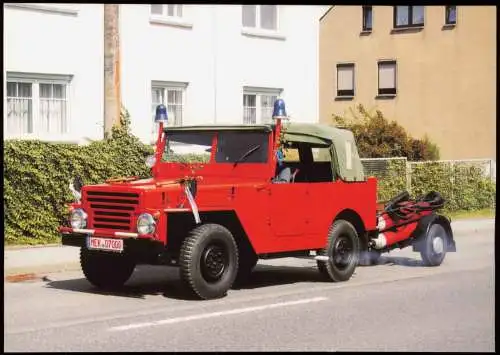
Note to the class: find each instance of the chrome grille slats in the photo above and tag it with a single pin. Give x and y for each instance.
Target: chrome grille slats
(112, 210)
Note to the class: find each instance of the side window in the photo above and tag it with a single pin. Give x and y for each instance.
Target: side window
(291, 155)
(321, 155)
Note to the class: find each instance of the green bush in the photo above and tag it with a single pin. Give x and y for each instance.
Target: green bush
(37, 175)
(376, 137)
(462, 185)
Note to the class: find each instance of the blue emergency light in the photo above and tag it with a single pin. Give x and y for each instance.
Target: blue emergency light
(161, 114)
(279, 111)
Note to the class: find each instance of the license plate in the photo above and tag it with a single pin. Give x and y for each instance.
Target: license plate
(110, 244)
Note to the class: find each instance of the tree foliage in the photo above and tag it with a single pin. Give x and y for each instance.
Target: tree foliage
(376, 137)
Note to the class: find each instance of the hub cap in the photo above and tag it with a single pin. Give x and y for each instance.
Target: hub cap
(438, 245)
(213, 262)
(342, 252)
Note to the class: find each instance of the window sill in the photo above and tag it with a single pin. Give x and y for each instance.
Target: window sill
(385, 97)
(52, 138)
(407, 29)
(448, 26)
(344, 98)
(251, 32)
(170, 22)
(365, 32)
(52, 9)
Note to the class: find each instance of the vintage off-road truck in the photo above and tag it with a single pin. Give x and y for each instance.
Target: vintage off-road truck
(261, 191)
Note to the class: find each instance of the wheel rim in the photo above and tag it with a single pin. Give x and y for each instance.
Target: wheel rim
(438, 245)
(343, 252)
(214, 262)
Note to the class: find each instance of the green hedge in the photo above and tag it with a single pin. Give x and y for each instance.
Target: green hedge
(37, 176)
(463, 185)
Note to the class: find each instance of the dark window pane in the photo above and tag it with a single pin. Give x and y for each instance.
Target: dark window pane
(418, 15)
(12, 89)
(46, 90)
(232, 145)
(24, 89)
(367, 17)
(249, 13)
(451, 14)
(402, 14)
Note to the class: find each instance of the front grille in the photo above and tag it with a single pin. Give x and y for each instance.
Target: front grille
(112, 210)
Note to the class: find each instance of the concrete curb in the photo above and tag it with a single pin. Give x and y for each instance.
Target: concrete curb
(43, 259)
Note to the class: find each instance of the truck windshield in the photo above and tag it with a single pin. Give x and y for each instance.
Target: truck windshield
(232, 147)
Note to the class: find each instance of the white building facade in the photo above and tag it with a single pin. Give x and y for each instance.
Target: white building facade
(210, 64)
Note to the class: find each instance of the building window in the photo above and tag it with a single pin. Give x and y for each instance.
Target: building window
(345, 79)
(387, 77)
(258, 106)
(172, 95)
(169, 10)
(367, 18)
(37, 106)
(260, 16)
(408, 16)
(451, 15)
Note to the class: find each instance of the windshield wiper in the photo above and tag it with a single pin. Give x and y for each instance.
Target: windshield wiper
(246, 155)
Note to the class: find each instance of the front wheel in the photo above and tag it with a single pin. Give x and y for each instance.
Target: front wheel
(106, 270)
(342, 250)
(434, 245)
(209, 261)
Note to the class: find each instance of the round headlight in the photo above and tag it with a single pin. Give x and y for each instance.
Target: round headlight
(145, 224)
(78, 219)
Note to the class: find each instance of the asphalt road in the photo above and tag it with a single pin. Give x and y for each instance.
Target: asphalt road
(398, 305)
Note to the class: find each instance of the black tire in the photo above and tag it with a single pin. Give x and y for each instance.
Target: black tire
(106, 270)
(342, 250)
(209, 261)
(434, 245)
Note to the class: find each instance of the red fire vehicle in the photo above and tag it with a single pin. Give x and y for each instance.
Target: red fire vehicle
(257, 191)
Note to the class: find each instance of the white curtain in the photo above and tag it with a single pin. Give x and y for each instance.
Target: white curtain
(387, 75)
(249, 109)
(248, 14)
(19, 108)
(345, 80)
(52, 108)
(268, 17)
(266, 107)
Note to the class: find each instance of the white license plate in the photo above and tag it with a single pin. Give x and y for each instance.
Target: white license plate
(110, 244)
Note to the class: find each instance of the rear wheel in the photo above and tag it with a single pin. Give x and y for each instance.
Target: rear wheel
(342, 251)
(209, 261)
(106, 270)
(434, 245)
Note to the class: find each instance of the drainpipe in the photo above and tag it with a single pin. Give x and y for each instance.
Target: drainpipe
(112, 104)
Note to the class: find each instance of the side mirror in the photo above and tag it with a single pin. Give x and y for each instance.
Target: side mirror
(76, 188)
(150, 161)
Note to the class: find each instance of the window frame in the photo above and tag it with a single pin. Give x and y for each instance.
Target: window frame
(259, 92)
(35, 79)
(346, 93)
(364, 27)
(165, 86)
(385, 91)
(410, 17)
(258, 24)
(447, 15)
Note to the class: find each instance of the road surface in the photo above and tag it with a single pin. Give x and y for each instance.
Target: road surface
(398, 305)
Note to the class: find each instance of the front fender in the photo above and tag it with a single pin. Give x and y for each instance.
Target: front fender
(423, 228)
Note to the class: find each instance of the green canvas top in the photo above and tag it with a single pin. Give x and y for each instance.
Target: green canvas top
(341, 141)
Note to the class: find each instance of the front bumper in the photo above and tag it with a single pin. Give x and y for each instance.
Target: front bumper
(69, 230)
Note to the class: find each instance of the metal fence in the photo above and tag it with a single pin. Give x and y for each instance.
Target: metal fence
(379, 167)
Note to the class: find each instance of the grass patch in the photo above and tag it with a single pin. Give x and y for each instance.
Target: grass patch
(483, 213)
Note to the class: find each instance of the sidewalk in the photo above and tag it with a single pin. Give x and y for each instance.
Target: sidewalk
(46, 259)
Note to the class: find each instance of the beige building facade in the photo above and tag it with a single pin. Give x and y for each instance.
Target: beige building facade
(432, 69)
